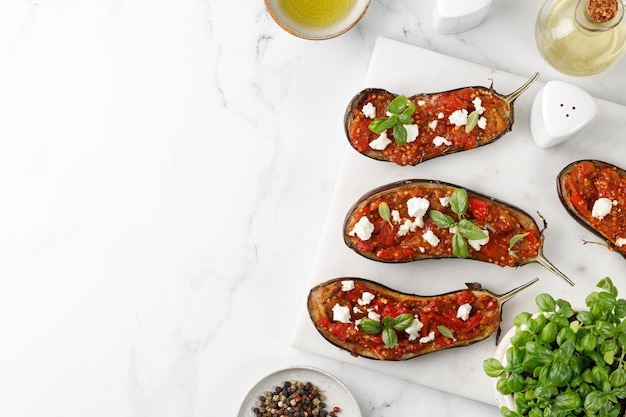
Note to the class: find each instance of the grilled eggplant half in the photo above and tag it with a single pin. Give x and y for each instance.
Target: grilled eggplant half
(407, 131)
(373, 321)
(594, 193)
(420, 219)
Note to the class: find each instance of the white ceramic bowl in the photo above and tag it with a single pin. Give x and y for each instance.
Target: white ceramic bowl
(500, 354)
(295, 28)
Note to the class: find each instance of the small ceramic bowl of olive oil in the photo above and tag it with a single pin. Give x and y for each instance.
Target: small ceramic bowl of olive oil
(317, 19)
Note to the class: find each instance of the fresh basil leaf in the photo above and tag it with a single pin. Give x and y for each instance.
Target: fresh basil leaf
(410, 109)
(594, 401)
(459, 201)
(549, 332)
(515, 382)
(380, 125)
(405, 119)
(599, 375)
(506, 412)
(502, 387)
(617, 378)
(516, 239)
(607, 285)
(440, 219)
(514, 356)
(585, 317)
(445, 331)
(545, 302)
(565, 334)
(384, 212)
(459, 246)
(388, 322)
(493, 367)
(472, 121)
(568, 401)
(399, 134)
(522, 318)
(520, 338)
(471, 231)
(390, 338)
(371, 326)
(559, 373)
(604, 329)
(398, 105)
(403, 321)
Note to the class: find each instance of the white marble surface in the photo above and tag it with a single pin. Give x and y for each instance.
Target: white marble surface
(165, 171)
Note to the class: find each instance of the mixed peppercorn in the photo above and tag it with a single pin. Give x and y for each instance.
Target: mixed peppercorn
(293, 399)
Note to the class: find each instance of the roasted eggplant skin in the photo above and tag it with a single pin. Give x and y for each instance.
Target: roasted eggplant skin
(532, 244)
(575, 171)
(433, 312)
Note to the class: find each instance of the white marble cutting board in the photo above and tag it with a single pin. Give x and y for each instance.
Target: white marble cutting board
(512, 169)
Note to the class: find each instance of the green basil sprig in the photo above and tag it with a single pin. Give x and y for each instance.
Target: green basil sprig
(400, 113)
(514, 240)
(465, 229)
(566, 363)
(388, 327)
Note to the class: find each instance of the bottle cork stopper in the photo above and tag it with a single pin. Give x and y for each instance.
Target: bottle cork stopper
(602, 11)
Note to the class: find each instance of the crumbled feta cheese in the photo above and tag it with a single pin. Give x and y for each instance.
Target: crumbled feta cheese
(621, 241)
(369, 111)
(463, 311)
(524, 326)
(602, 207)
(347, 285)
(363, 229)
(440, 140)
(381, 142)
(417, 207)
(414, 329)
(423, 250)
(412, 132)
(458, 117)
(476, 244)
(478, 105)
(356, 309)
(429, 338)
(371, 314)
(357, 323)
(482, 122)
(431, 238)
(445, 201)
(395, 216)
(421, 102)
(341, 313)
(433, 124)
(405, 228)
(440, 115)
(366, 298)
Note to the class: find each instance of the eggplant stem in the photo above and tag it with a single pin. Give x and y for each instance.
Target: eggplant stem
(509, 99)
(540, 259)
(503, 298)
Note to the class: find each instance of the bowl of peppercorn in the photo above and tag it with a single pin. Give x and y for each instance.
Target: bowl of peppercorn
(299, 391)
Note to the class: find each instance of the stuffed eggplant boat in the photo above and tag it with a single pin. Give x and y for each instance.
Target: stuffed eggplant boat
(413, 220)
(594, 193)
(371, 320)
(407, 131)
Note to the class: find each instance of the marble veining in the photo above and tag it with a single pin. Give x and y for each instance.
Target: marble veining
(165, 171)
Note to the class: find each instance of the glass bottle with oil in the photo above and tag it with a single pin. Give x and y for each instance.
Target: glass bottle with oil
(581, 37)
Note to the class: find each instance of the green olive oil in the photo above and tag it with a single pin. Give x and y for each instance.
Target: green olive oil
(316, 14)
